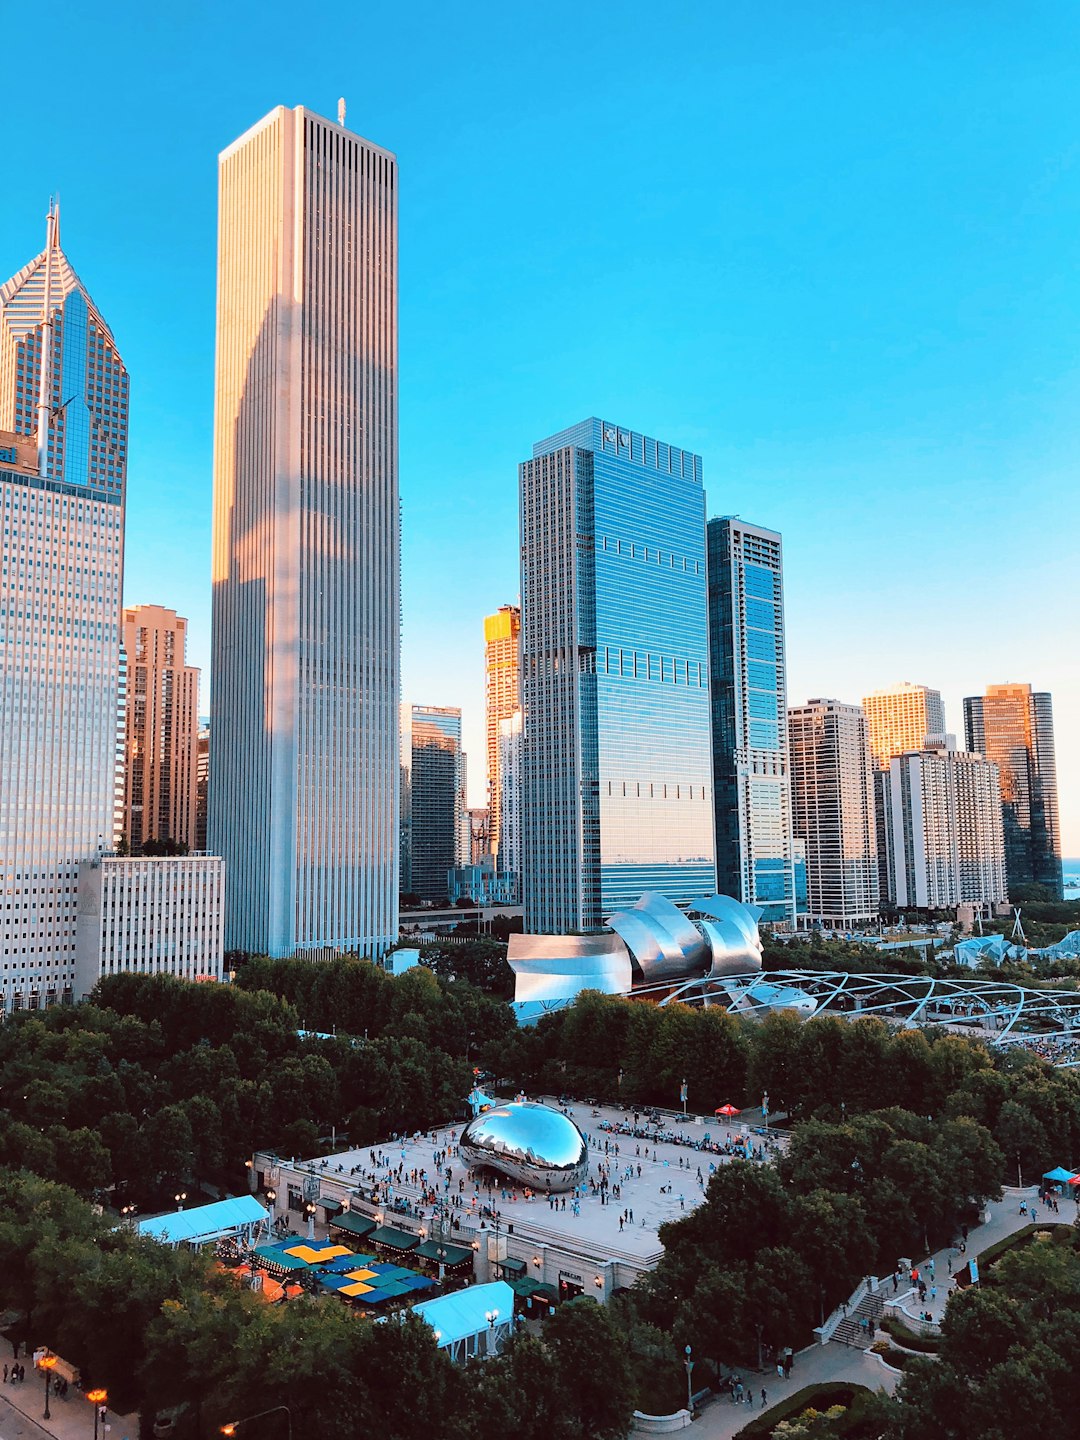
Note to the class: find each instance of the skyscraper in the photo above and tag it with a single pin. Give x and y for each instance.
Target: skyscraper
(162, 730)
(511, 787)
(436, 815)
(833, 806)
(1014, 727)
(63, 471)
(502, 697)
(615, 676)
(943, 830)
(748, 679)
(901, 718)
(304, 786)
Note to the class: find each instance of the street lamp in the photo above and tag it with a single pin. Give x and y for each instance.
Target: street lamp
(688, 1362)
(99, 1399)
(309, 1211)
(47, 1363)
(234, 1425)
(765, 1112)
(180, 1197)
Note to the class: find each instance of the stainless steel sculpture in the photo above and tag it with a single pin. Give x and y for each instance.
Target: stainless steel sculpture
(531, 1143)
(662, 941)
(731, 930)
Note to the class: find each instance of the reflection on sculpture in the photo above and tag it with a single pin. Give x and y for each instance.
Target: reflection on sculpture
(531, 1143)
(653, 943)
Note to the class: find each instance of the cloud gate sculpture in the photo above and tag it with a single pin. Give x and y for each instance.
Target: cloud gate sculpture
(530, 1143)
(651, 944)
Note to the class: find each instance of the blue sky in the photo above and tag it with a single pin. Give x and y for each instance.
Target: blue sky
(835, 248)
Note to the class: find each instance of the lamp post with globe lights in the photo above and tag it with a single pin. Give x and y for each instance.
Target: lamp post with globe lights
(689, 1363)
(48, 1364)
(99, 1399)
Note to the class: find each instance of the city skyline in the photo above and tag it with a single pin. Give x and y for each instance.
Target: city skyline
(898, 363)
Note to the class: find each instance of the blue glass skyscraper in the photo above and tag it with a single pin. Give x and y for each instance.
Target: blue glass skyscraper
(748, 679)
(615, 676)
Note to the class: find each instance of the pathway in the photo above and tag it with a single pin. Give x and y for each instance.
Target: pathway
(720, 1419)
(22, 1410)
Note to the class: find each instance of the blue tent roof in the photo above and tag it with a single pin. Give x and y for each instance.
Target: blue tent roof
(1059, 1174)
(205, 1222)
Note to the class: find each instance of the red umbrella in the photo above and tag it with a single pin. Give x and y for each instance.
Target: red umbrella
(726, 1110)
(1075, 1180)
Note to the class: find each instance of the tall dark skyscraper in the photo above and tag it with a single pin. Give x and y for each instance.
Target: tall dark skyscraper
(615, 676)
(432, 808)
(747, 674)
(1014, 727)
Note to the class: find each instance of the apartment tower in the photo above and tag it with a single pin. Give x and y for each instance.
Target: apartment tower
(833, 806)
(303, 801)
(903, 717)
(437, 816)
(748, 679)
(615, 676)
(502, 698)
(161, 772)
(63, 474)
(1014, 726)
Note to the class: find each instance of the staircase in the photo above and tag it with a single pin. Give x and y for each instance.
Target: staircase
(852, 1328)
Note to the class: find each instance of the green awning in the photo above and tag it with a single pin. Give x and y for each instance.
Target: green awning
(526, 1286)
(393, 1239)
(510, 1266)
(451, 1254)
(354, 1224)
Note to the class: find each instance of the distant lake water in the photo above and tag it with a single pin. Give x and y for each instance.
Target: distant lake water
(1070, 869)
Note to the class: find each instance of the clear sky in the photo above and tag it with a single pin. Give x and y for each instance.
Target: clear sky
(833, 247)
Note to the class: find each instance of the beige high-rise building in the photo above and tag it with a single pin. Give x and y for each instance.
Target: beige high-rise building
(162, 730)
(304, 786)
(502, 692)
(902, 718)
(832, 794)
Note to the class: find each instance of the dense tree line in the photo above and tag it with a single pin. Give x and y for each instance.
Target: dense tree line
(827, 1067)
(158, 1082)
(164, 1330)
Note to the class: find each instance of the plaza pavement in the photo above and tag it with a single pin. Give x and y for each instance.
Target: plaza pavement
(667, 1187)
(22, 1408)
(720, 1419)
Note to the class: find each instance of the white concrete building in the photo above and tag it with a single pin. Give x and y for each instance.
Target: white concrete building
(150, 916)
(63, 470)
(945, 841)
(833, 806)
(511, 790)
(303, 797)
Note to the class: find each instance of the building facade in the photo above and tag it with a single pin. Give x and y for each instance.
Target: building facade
(202, 786)
(748, 683)
(436, 787)
(945, 843)
(833, 807)
(1014, 726)
(901, 718)
(63, 473)
(615, 676)
(502, 698)
(150, 916)
(511, 797)
(161, 731)
(303, 802)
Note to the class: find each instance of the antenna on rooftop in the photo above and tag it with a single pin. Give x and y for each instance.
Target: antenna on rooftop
(341, 111)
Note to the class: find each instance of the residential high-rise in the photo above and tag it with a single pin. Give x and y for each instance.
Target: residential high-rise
(63, 471)
(436, 814)
(748, 680)
(615, 677)
(832, 794)
(1014, 727)
(304, 786)
(901, 718)
(502, 697)
(479, 836)
(162, 730)
(945, 845)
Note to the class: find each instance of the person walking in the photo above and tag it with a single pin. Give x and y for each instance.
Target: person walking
(764, 1398)
(780, 1370)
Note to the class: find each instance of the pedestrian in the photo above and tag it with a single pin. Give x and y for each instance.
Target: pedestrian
(764, 1397)
(750, 1398)
(739, 1393)
(789, 1360)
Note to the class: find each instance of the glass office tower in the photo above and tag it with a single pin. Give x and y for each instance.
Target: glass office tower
(63, 472)
(1014, 727)
(434, 798)
(754, 858)
(615, 676)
